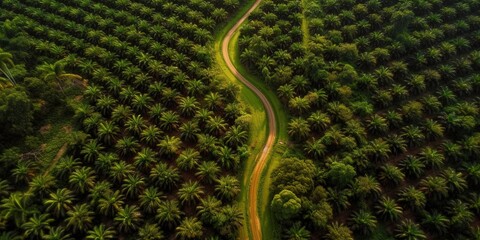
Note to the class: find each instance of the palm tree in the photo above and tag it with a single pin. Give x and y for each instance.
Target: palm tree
(391, 173)
(127, 93)
(417, 84)
(412, 166)
(285, 91)
(377, 124)
(363, 221)
(151, 135)
(339, 198)
(297, 232)
(379, 149)
(460, 214)
(120, 170)
(190, 228)
(413, 197)
(187, 106)
(432, 104)
(471, 146)
(165, 176)
(23, 171)
(474, 202)
(135, 124)
(101, 232)
(80, 217)
(473, 173)
(140, 102)
(169, 120)
(190, 192)
(337, 231)
(189, 131)
(132, 185)
(128, 218)
(229, 220)
(213, 100)
(83, 110)
(436, 222)
(169, 145)
(168, 213)
(56, 72)
(106, 104)
(150, 231)
(144, 159)
(452, 151)
(435, 187)
(236, 136)
(389, 209)
(315, 148)
(107, 132)
(155, 112)
(105, 161)
(455, 180)
(42, 184)
(114, 86)
(195, 87)
(188, 159)
(110, 203)
(98, 191)
(207, 171)
(37, 225)
(127, 146)
(91, 150)
(433, 129)
(227, 187)
(82, 179)
(432, 157)
(226, 157)
(168, 96)
(209, 208)
(397, 144)
(56, 233)
(6, 62)
(16, 206)
(409, 230)
(365, 186)
(60, 202)
(90, 123)
(202, 115)
(395, 119)
(384, 75)
(298, 128)
(216, 125)
(151, 199)
(207, 144)
(5, 188)
(413, 135)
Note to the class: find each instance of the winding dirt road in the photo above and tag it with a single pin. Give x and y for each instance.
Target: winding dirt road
(272, 134)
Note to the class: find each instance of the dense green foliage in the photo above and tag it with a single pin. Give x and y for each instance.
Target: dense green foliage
(382, 97)
(157, 144)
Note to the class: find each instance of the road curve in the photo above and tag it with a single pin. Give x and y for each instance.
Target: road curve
(272, 126)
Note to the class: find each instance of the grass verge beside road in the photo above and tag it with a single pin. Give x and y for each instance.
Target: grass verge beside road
(258, 131)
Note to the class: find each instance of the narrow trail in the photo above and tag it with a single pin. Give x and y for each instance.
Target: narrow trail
(261, 159)
(59, 155)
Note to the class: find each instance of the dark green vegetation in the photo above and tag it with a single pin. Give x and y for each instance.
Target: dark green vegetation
(157, 139)
(382, 98)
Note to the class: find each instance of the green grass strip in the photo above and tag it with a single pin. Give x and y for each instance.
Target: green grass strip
(258, 131)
